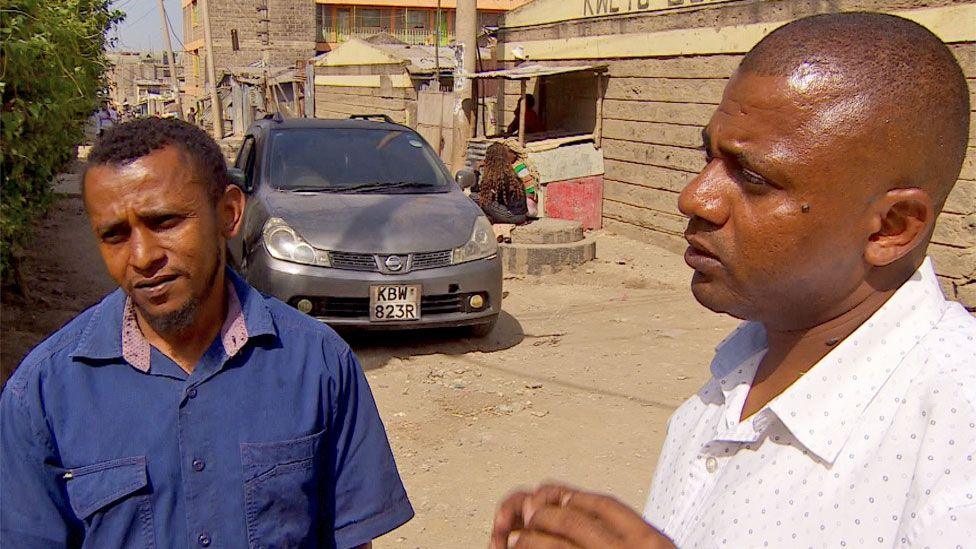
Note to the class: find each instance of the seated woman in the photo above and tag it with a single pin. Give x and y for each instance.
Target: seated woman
(500, 192)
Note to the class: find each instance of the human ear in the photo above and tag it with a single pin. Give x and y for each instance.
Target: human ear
(903, 222)
(231, 208)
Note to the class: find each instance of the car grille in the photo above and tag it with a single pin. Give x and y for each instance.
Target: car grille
(358, 307)
(367, 262)
(431, 260)
(352, 261)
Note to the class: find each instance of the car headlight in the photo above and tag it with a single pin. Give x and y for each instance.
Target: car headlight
(284, 243)
(482, 243)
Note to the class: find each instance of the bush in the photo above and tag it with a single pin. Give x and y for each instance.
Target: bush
(53, 70)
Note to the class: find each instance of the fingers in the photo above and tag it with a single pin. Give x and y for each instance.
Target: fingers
(508, 519)
(606, 508)
(541, 540)
(576, 527)
(545, 494)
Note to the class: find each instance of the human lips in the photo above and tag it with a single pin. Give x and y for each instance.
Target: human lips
(156, 286)
(699, 256)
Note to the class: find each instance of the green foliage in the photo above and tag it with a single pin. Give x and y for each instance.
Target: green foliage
(52, 69)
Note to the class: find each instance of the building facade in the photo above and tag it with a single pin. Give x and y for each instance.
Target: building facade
(139, 82)
(289, 31)
(245, 33)
(668, 63)
(415, 22)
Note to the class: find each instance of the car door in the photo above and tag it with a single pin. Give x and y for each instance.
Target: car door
(245, 162)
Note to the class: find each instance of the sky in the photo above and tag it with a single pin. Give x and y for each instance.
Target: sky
(142, 28)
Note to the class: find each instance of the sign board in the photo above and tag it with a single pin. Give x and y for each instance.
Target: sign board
(550, 11)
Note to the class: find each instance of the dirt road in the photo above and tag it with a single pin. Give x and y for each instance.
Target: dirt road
(575, 384)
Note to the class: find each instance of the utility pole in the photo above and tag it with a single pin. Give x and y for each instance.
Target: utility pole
(466, 28)
(265, 21)
(215, 108)
(172, 61)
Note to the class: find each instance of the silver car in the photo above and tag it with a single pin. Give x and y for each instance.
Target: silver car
(358, 223)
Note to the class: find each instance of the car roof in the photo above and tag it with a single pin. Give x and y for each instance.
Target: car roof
(329, 123)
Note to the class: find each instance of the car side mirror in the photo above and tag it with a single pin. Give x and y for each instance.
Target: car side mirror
(238, 177)
(466, 178)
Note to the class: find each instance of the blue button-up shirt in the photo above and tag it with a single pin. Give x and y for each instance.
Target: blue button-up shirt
(279, 445)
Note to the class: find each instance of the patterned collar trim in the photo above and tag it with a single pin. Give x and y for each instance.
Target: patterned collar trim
(136, 349)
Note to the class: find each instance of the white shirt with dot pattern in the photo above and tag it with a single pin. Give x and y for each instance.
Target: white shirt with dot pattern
(873, 447)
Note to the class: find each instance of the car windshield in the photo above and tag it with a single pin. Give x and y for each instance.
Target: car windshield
(355, 160)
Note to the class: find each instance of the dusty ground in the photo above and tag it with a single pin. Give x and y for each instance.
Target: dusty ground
(575, 384)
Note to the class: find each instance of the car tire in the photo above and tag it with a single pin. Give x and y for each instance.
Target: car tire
(482, 330)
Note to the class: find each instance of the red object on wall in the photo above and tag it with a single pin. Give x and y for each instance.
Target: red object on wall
(576, 199)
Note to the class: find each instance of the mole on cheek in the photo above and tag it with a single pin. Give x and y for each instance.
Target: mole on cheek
(805, 208)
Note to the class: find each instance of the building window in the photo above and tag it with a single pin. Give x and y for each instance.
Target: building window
(418, 19)
(235, 43)
(195, 15)
(323, 22)
(370, 18)
(196, 64)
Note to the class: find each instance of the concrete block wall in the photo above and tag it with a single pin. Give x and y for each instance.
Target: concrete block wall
(400, 104)
(291, 29)
(655, 107)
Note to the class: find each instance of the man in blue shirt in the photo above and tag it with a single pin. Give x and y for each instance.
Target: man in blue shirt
(186, 409)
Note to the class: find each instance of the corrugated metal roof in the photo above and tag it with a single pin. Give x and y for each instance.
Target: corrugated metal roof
(535, 70)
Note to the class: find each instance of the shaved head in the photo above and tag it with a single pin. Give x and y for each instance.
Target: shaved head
(891, 77)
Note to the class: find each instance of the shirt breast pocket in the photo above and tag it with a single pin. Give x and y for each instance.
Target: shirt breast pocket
(283, 491)
(113, 500)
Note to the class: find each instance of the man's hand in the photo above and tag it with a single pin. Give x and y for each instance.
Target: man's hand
(558, 517)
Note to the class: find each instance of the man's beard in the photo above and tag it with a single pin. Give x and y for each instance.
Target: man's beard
(182, 318)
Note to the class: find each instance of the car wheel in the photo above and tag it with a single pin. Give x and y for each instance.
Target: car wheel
(482, 330)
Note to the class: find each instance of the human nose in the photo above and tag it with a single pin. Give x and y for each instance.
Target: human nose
(705, 196)
(146, 256)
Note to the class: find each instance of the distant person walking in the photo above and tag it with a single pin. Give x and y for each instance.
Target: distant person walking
(105, 118)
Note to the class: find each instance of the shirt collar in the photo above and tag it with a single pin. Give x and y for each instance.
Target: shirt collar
(822, 407)
(112, 333)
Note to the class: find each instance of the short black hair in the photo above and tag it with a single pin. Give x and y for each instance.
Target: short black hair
(137, 138)
(530, 100)
(901, 73)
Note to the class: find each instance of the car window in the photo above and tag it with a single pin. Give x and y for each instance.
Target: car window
(244, 152)
(354, 160)
(248, 166)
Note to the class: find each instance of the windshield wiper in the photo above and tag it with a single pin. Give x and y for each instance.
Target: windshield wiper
(308, 189)
(367, 187)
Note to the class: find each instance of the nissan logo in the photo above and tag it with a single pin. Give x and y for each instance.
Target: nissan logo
(394, 263)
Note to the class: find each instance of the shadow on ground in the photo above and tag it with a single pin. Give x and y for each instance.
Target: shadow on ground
(376, 349)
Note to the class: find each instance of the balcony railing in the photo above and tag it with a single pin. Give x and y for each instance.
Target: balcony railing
(417, 37)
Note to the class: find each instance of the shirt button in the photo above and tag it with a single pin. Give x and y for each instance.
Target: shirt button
(203, 539)
(711, 465)
(191, 392)
(198, 464)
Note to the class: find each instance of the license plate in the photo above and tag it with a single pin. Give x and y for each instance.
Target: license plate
(394, 303)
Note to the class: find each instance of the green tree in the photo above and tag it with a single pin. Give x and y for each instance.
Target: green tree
(52, 70)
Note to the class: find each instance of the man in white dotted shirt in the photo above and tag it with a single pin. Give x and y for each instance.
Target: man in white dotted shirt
(842, 413)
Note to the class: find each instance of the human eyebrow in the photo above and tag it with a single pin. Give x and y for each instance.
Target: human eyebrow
(111, 228)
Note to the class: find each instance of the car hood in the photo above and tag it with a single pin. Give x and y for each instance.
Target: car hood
(378, 223)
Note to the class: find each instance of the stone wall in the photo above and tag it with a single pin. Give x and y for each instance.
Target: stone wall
(655, 107)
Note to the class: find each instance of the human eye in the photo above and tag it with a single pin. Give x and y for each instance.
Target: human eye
(165, 222)
(113, 236)
(753, 178)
